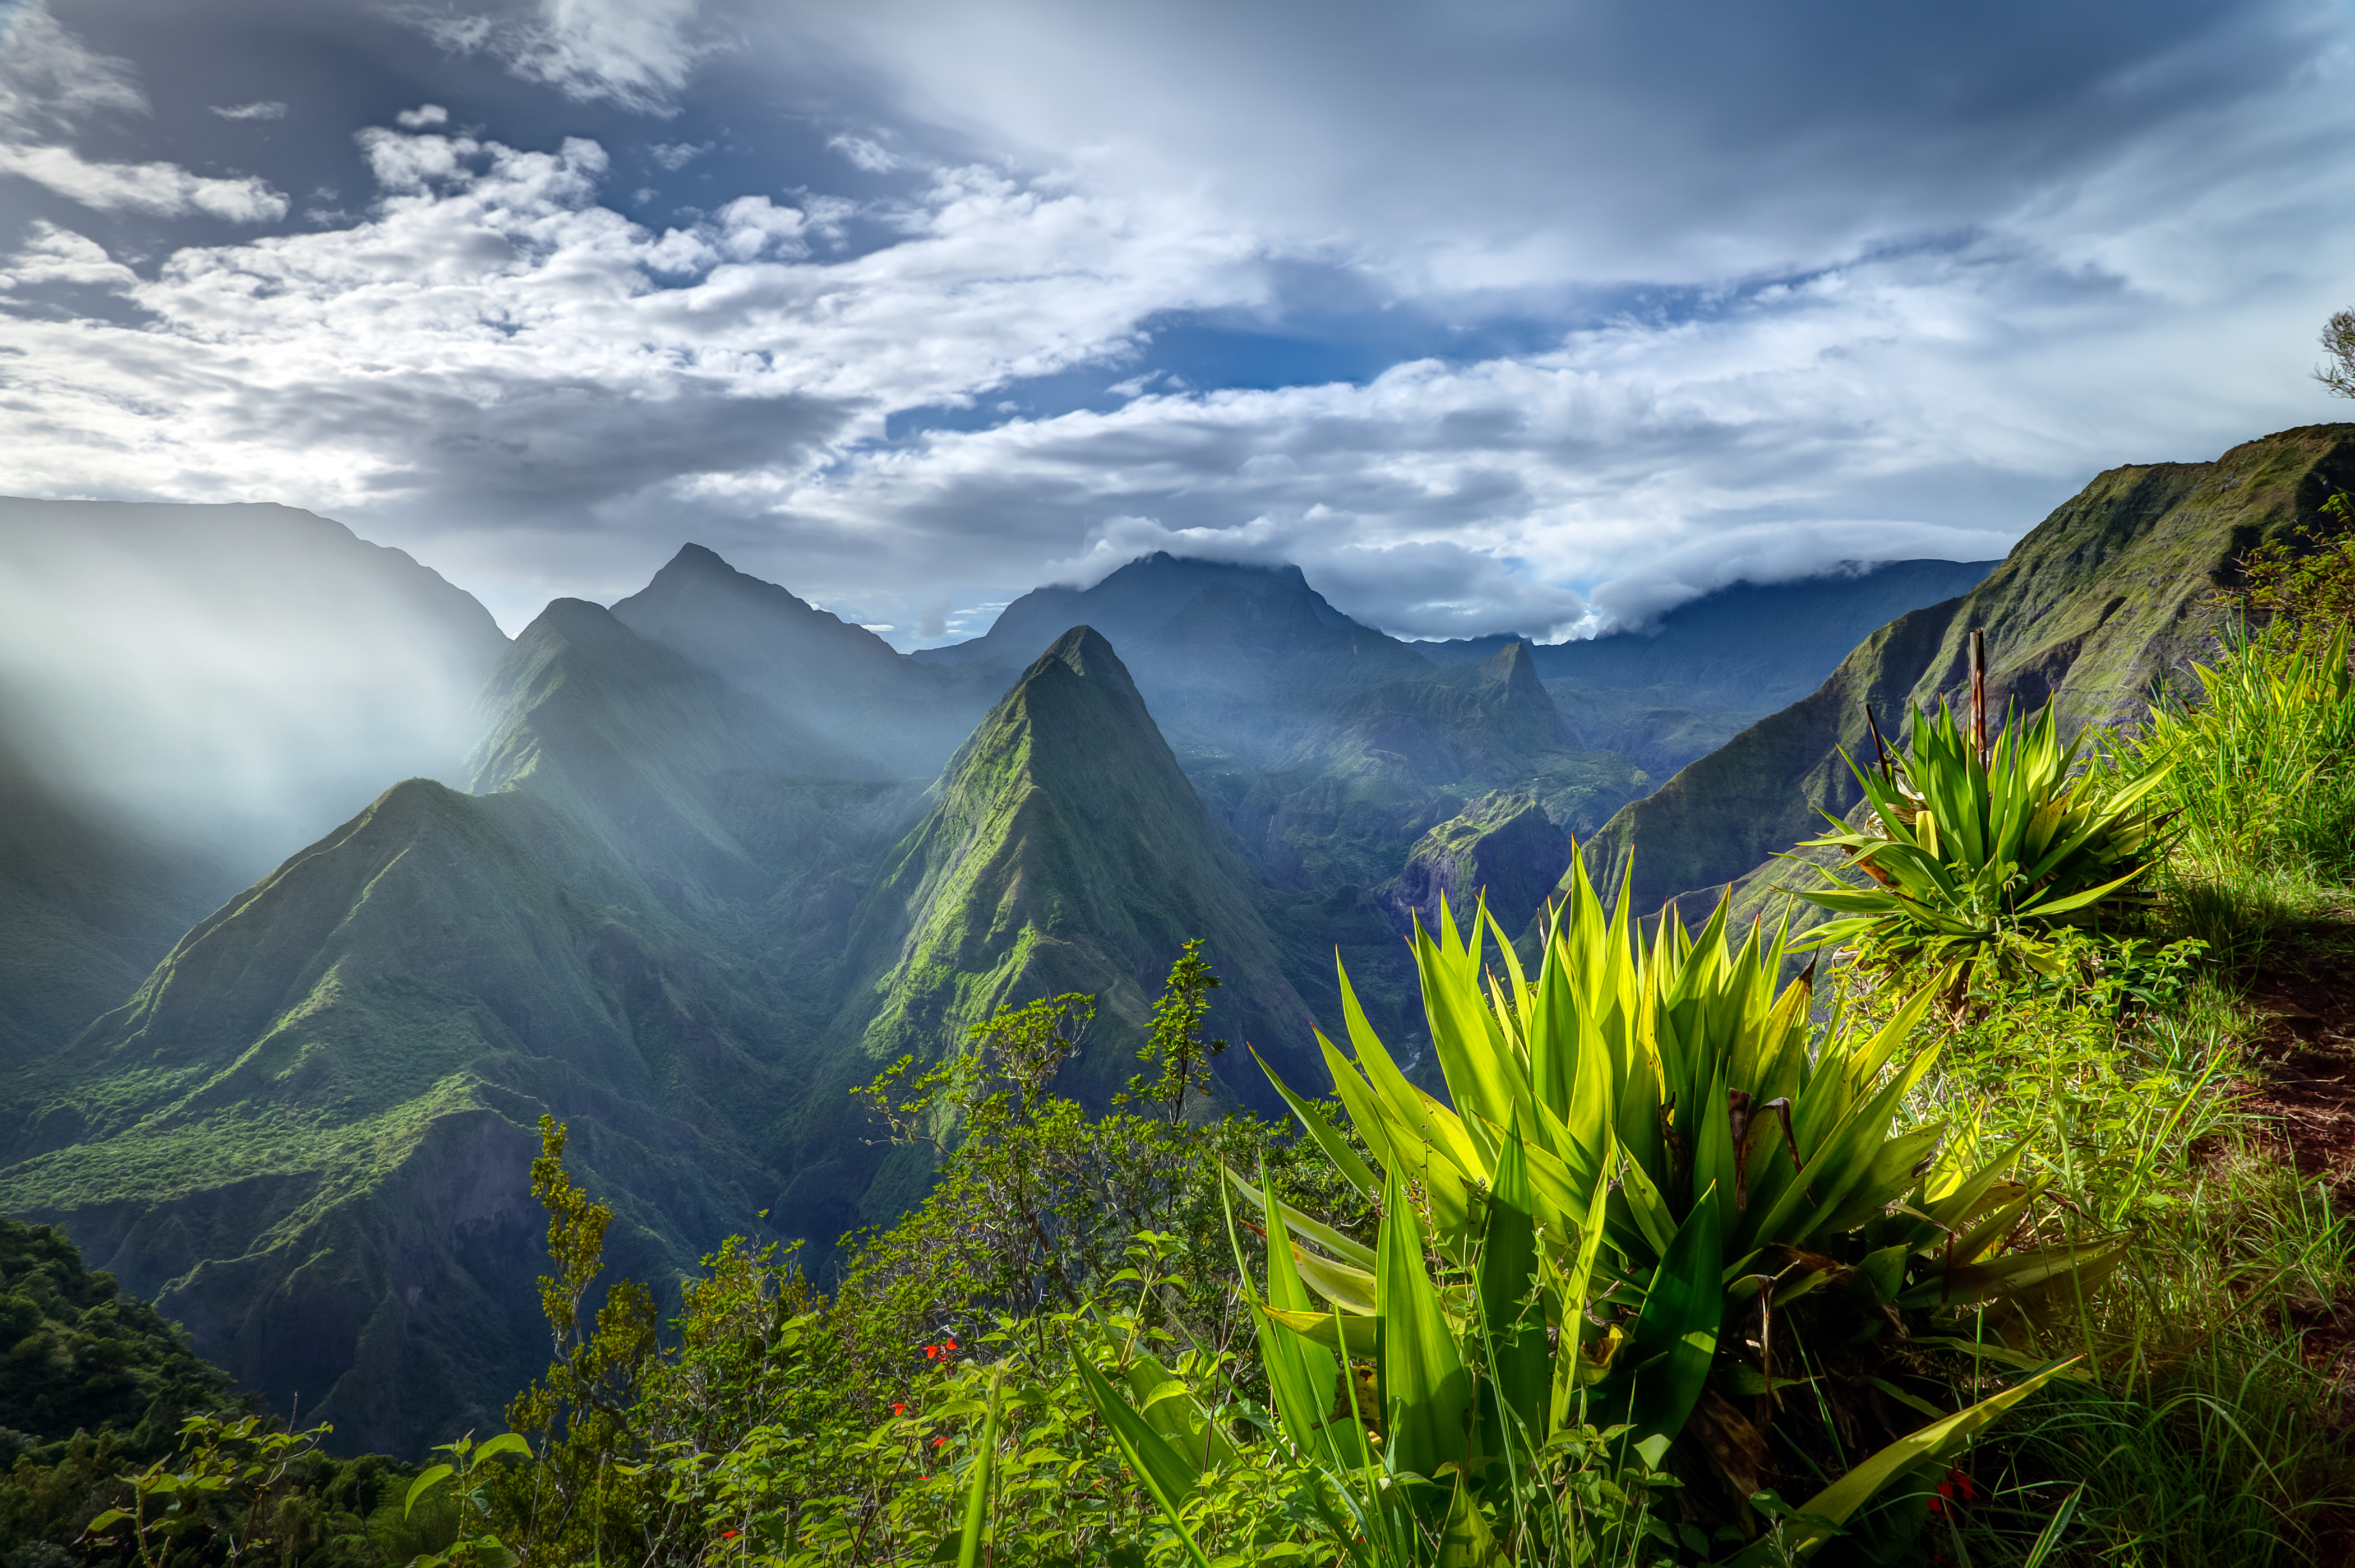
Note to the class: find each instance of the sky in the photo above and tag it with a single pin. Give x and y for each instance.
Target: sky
(1509, 318)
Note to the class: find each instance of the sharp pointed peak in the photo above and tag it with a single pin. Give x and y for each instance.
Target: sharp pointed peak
(1083, 648)
(1088, 654)
(692, 557)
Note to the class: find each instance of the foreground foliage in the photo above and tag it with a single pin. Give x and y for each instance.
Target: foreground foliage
(1653, 1196)
(1981, 854)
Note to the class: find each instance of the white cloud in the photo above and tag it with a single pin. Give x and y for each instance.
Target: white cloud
(865, 153)
(1545, 146)
(676, 155)
(635, 53)
(54, 255)
(51, 84)
(167, 190)
(1927, 404)
(493, 346)
(265, 109)
(1820, 314)
(424, 117)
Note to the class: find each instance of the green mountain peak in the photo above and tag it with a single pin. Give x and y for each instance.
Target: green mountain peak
(1066, 851)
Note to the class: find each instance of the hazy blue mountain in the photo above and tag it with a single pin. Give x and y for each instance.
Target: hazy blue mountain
(1235, 662)
(1666, 694)
(1758, 645)
(835, 681)
(88, 904)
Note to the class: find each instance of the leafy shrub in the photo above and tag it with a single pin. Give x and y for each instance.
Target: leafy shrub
(1650, 1199)
(2256, 763)
(1978, 857)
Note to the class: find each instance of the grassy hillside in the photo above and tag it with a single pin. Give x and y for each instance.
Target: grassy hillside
(2111, 593)
(1065, 851)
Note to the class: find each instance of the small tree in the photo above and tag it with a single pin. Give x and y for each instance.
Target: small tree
(2339, 343)
(1174, 1041)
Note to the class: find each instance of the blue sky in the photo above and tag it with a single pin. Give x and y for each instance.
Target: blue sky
(1515, 318)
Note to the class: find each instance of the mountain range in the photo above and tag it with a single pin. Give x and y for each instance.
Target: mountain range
(710, 858)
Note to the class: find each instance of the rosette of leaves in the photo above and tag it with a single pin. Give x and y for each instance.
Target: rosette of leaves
(1977, 854)
(1653, 1207)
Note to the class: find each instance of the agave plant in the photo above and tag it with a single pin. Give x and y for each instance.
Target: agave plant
(1653, 1209)
(1978, 853)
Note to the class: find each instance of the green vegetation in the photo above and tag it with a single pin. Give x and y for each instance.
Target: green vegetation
(110, 1424)
(1982, 852)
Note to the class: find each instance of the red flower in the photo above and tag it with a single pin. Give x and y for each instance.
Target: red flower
(1958, 1487)
(931, 1352)
(940, 1439)
(729, 1534)
(899, 1410)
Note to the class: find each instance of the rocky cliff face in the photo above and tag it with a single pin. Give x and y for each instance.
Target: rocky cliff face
(1502, 846)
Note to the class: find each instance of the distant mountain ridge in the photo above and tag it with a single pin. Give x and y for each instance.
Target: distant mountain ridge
(1761, 644)
(842, 685)
(1232, 660)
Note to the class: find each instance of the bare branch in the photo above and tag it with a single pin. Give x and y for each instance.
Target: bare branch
(2339, 343)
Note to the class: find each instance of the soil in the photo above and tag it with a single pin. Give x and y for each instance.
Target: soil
(2305, 999)
(2307, 1041)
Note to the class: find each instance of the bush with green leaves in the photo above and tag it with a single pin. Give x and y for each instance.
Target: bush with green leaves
(1657, 1204)
(2256, 761)
(1979, 855)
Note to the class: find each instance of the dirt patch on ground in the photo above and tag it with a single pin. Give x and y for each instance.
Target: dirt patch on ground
(2304, 1001)
(2306, 1005)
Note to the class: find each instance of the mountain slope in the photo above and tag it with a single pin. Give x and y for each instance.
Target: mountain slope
(308, 1135)
(1065, 851)
(2112, 591)
(819, 674)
